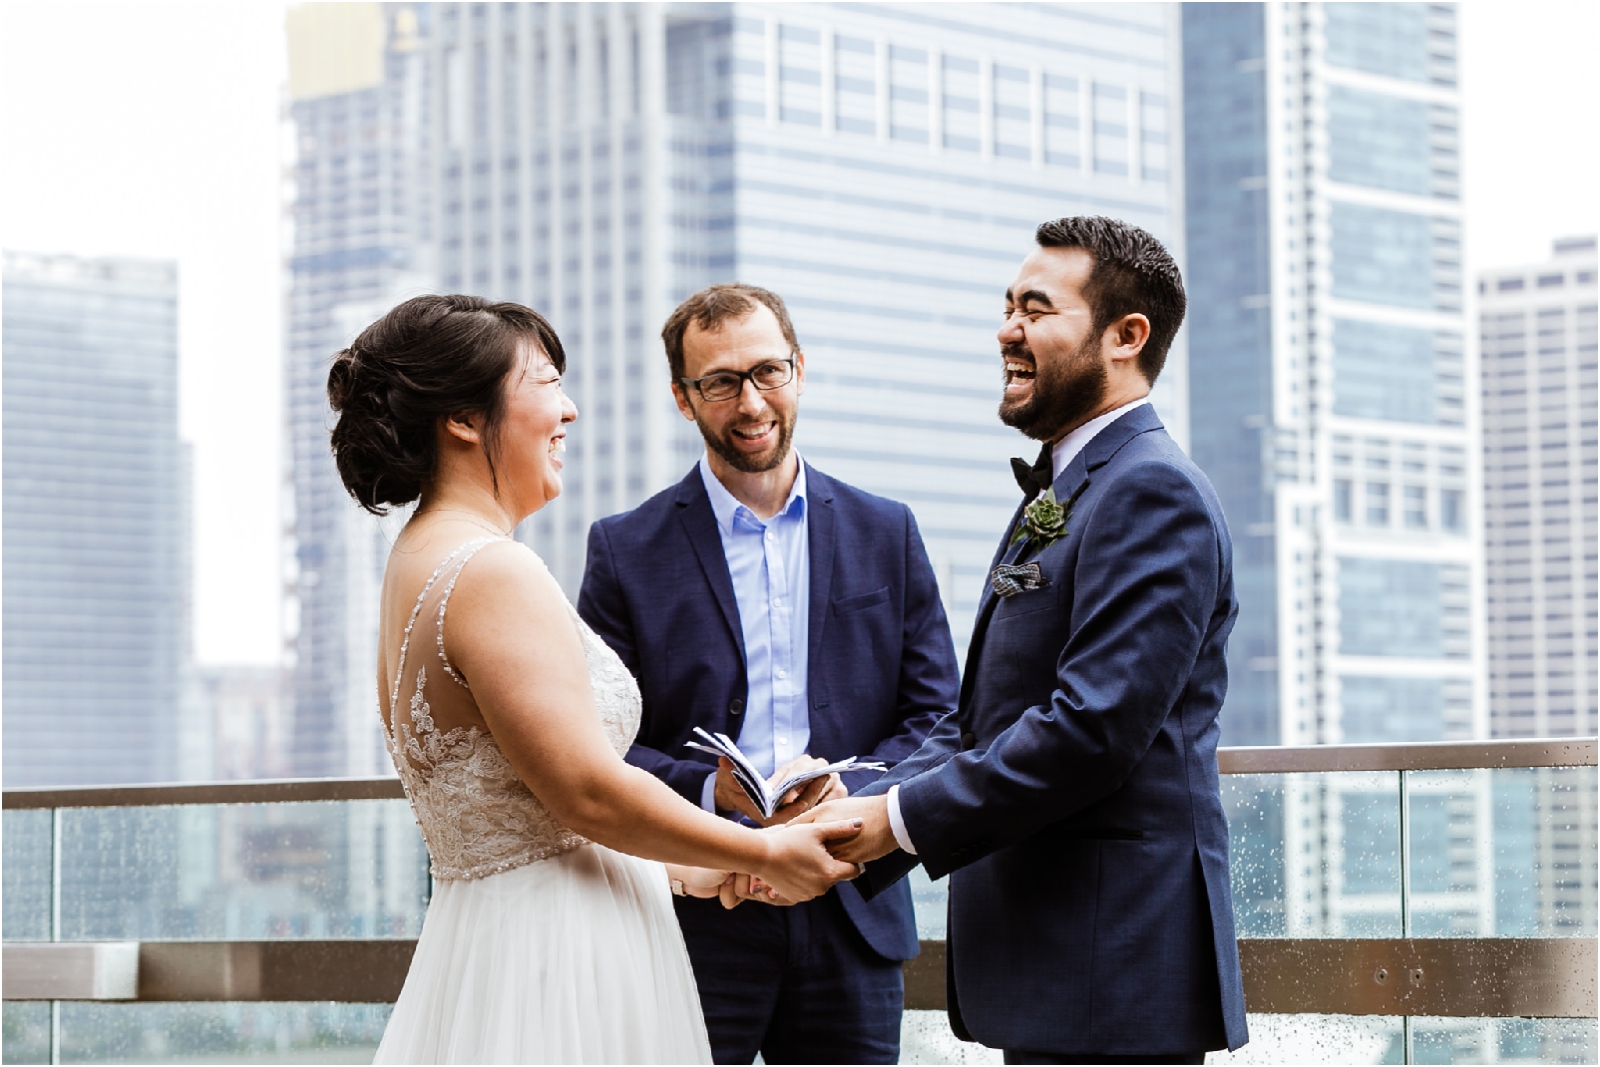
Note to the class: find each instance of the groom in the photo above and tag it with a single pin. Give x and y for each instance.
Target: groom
(1074, 791)
(763, 599)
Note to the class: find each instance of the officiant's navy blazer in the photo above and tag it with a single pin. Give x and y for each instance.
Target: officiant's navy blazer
(1074, 792)
(882, 667)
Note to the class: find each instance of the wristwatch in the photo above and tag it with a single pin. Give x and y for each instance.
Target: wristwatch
(677, 888)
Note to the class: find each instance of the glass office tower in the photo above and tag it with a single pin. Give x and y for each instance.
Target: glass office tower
(1538, 342)
(1327, 341)
(96, 526)
(882, 168)
(1329, 371)
(354, 86)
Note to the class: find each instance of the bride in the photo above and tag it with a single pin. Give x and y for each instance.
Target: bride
(550, 936)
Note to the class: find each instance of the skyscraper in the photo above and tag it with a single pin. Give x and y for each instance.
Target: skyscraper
(1329, 370)
(356, 99)
(882, 168)
(1537, 335)
(96, 526)
(1329, 366)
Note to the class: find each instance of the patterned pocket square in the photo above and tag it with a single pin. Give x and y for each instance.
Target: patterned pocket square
(1009, 579)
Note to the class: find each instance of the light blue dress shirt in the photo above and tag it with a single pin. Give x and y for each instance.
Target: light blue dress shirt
(770, 564)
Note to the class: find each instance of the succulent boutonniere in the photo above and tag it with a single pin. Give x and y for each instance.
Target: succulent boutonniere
(1044, 521)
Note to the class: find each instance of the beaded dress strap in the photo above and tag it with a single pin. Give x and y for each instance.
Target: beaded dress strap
(449, 588)
(466, 552)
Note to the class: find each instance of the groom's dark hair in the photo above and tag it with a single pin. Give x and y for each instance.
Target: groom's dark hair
(1133, 274)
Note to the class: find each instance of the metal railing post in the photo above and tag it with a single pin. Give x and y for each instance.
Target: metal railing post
(55, 924)
(1405, 895)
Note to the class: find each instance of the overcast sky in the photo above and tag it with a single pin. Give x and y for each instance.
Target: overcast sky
(156, 129)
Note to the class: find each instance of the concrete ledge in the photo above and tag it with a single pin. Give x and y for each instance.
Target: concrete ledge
(102, 970)
(1463, 977)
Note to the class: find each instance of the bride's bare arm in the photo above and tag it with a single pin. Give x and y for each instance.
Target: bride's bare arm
(511, 635)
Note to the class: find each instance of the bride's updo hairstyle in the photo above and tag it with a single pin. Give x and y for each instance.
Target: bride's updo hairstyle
(429, 358)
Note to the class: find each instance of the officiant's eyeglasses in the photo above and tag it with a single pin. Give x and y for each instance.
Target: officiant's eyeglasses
(727, 384)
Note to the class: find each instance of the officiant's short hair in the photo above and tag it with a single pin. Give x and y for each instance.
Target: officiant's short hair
(1133, 274)
(715, 305)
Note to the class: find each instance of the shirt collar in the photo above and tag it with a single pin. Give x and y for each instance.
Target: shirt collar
(1067, 449)
(726, 507)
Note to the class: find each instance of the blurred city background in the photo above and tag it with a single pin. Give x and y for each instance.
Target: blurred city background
(1388, 372)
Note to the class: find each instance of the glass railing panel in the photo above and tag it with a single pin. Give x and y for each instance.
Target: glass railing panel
(1508, 852)
(1442, 1040)
(221, 1032)
(1320, 1039)
(25, 906)
(242, 871)
(926, 1037)
(930, 899)
(26, 1031)
(1315, 855)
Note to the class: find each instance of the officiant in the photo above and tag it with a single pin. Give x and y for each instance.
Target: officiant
(763, 599)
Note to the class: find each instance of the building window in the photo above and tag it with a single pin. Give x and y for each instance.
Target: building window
(1341, 500)
(1384, 372)
(1550, 281)
(1390, 607)
(1416, 507)
(1451, 512)
(1377, 503)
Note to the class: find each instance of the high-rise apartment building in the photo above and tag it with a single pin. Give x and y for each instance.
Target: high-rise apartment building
(356, 88)
(881, 167)
(96, 524)
(1537, 334)
(1329, 366)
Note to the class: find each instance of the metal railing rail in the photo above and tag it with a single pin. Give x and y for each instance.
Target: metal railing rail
(1463, 977)
(1409, 756)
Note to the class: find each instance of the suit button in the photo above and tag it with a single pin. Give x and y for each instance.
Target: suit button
(969, 741)
(735, 706)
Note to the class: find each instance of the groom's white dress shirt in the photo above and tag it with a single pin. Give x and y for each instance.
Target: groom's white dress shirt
(1065, 451)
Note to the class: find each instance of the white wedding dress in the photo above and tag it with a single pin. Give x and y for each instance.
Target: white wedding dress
(539, 946)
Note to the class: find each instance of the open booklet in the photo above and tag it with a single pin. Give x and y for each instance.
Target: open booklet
(755, 787)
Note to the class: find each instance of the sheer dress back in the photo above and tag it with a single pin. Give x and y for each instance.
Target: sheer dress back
(476, 816)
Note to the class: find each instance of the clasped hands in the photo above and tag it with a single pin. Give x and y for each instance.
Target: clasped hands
(799, 807)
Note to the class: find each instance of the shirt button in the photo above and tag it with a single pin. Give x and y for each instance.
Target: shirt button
(777, 601)
(783, 741)
(783, 674)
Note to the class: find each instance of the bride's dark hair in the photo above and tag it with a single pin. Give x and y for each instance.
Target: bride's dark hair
(430, 357)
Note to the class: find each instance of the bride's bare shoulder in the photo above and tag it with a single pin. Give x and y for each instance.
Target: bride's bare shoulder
(506, 577)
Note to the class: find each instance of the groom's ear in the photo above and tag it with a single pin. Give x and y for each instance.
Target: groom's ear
(1126, 338)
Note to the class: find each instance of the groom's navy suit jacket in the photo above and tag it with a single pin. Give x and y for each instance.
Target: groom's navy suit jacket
(882, 667)
(1074, 792)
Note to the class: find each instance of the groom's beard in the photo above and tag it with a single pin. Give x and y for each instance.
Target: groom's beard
(1065, 392)
(740, 460)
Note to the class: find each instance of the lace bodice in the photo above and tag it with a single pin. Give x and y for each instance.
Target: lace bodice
(477, 817)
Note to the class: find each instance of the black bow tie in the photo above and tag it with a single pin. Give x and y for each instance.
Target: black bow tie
(1037, 478)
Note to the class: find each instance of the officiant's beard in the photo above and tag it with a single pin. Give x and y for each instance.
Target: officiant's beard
(739, 460)
(1065, 392)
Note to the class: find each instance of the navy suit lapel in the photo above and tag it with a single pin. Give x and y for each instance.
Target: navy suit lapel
(700, 525)
(822, 539)
(1068, 488)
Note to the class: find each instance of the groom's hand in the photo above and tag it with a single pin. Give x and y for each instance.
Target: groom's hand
(875, 839)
